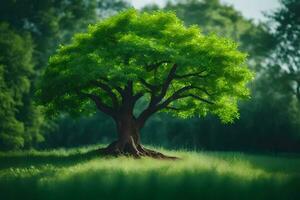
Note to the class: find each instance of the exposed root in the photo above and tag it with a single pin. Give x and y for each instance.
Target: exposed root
(131, 149)
(154, 154)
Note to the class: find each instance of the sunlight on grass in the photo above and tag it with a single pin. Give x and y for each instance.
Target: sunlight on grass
(189, 163)
(66, 174)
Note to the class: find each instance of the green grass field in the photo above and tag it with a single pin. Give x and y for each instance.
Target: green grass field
(70, 174)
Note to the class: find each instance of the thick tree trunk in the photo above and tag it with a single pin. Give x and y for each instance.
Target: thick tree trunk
(129, 143)
(128, 135)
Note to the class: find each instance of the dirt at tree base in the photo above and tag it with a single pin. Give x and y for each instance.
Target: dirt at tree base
(131, 150)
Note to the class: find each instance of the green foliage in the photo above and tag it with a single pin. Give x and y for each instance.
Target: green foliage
(126, 47)
(47, 21)
(40, 25)
(284, 63)
(69, 174)
(15, 70)
(225, 21)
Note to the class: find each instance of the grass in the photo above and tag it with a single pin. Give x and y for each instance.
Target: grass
(69, 174)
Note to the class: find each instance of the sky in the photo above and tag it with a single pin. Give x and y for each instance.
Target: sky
(251, 9)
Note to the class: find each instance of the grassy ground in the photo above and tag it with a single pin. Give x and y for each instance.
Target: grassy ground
(70, 174)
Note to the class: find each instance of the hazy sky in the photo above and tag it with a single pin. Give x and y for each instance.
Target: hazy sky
(250, 8)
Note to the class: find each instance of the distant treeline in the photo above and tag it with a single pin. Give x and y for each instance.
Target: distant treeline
(30, 31)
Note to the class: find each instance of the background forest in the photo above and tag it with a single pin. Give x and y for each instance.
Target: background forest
(31, 30)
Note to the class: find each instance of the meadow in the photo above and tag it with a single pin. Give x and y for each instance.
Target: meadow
(76, 174)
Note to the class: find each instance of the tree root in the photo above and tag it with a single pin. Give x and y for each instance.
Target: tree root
(130, 149)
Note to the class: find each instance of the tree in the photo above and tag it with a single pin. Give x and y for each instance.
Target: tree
(16, 68)
(29, 33)
(47, 21)
(285, 67)
(151, 55)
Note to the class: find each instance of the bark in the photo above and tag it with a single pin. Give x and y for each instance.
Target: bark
(128, 142)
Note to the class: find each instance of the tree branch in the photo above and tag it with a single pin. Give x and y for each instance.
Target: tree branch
(165, 85)
(119, 89)
(203, 90)
(172, 108)
(151, 87)
(176, 95)
(100, 105)
(109, 91)
(152, 107)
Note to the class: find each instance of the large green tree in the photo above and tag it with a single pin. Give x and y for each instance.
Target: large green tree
(151, 55)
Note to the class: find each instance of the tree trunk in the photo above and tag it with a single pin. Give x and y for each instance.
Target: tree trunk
(129, 143)
(128, 135)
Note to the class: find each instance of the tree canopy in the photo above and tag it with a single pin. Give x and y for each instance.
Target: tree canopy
(177, 68)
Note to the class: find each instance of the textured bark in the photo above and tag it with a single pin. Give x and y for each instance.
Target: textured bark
(129, 143)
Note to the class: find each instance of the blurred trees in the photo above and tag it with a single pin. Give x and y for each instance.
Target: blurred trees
(285, 61)
(30, 31)
(16, 67)
(49, 22)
